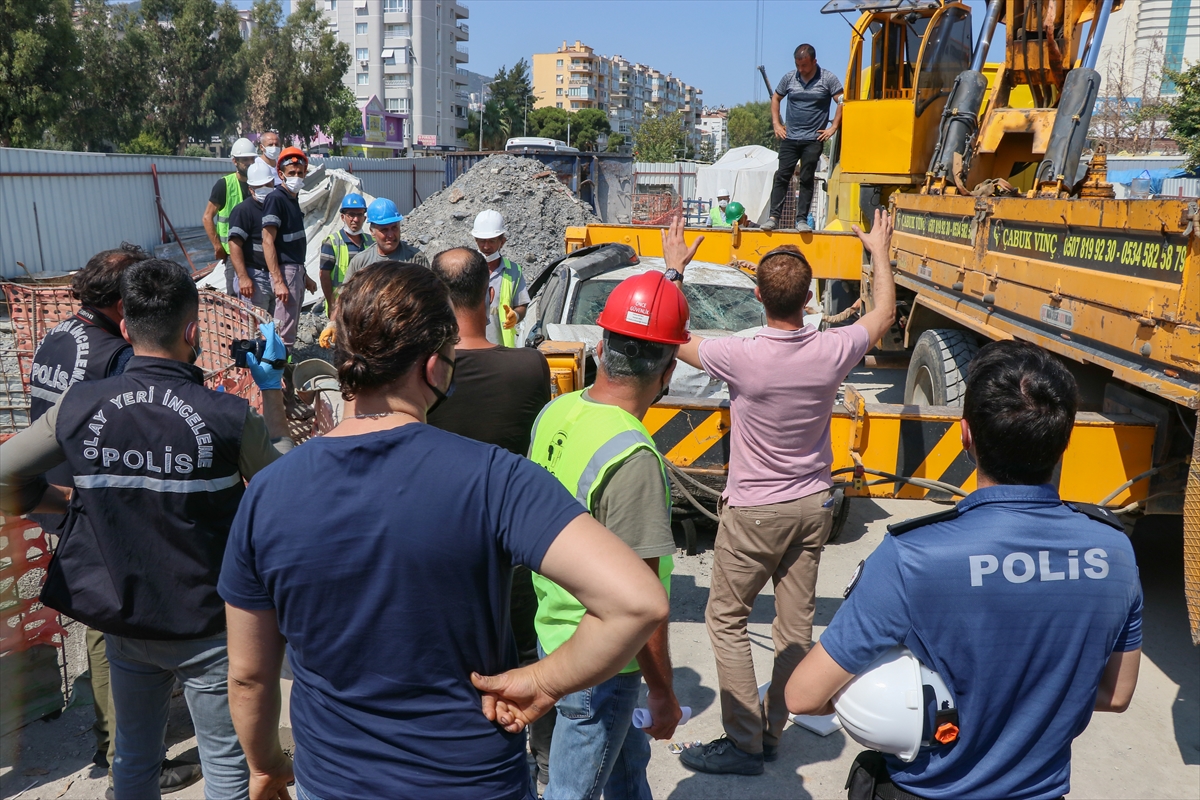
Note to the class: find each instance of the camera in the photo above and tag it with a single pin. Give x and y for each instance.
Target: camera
(239, 348)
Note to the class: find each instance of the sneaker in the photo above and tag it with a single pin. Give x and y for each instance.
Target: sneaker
(177, 775)
(722, 757)
(770, 752)
(770, 224)
(803, 227)
(100, 759)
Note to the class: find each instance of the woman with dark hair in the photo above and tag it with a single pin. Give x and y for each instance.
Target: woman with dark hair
(388, 582)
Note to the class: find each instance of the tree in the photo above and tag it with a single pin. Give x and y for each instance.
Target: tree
(1130, 117)
(549, 122)
(513, 93)
(39, 56)
(495, 127)
(198, 77)
(346, 121)
(110, 105)
(616, 141)
(750, 123)
(706, 153)
(587, 126)
(295, 69)
(1183, 113)
(660, 139)
(147, 143)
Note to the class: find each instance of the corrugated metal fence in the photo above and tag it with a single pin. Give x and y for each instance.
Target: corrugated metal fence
(1180, 188)
(58, 208)
(679, 176)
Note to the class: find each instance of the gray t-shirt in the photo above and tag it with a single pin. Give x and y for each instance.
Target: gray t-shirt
(520, 298)
(405, 252)
(632, 504)
(808, 103)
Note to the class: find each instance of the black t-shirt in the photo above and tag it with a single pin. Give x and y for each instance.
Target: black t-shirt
(245, 224)
(282, 210)
(217, 196)
(499, 391)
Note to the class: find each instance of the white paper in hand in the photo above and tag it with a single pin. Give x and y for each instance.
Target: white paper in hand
(822, 725)
(642, 719)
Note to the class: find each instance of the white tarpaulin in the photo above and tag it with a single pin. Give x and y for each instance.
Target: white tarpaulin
(320, 200)
(747, 172)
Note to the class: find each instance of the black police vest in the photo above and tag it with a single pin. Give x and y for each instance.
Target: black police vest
(155, 456)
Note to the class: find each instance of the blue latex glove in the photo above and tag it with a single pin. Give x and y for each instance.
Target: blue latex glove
(265, 375)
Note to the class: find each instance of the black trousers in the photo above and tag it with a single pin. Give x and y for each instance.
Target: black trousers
(791, 152)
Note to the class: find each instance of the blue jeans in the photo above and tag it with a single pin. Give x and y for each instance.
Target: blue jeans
(595, 746)
(143, 674)
(298, 792)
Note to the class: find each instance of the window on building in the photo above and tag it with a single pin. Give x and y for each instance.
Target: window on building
(558, 78)
(331, 5)
(363, 79)
(558, 92)
(362, 53)
(389, 55)
(397, 31)
(574, 104)
(558, 63)
(558, 105)
(360, 28)
(395, 6)
(397, 81)
(360, 10)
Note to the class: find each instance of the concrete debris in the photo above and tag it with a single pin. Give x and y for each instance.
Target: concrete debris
(308, 330)
(537, 210)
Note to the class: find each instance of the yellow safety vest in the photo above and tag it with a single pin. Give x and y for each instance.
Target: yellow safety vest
(510, 276)
(580, 443)
(233, 196)
(341, 251)
(717, 217)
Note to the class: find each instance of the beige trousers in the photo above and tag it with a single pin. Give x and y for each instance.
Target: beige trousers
(782, 543)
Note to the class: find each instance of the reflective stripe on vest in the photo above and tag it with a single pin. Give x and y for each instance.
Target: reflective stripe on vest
(342, 256)
(233, 196)
(581, 443)
(508, 285)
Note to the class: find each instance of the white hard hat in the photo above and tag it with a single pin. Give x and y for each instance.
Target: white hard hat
(488, 225)
(243, 148)
(723, 193)
(884, 707)
(260, 173)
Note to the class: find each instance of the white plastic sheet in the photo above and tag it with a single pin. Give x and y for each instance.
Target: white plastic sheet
(747, 172)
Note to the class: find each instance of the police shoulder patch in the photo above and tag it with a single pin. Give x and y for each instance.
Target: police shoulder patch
(897, 528)
(1098, 513)
(854, 579)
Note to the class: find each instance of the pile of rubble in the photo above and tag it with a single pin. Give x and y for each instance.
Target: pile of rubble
(537, 210)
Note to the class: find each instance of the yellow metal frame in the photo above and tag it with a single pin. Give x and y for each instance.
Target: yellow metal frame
(832, 254)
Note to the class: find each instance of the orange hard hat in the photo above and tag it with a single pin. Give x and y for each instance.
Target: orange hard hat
(648, 307)
(289, 153)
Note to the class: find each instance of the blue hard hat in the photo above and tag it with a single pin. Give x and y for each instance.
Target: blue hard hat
(383, 212)
(353, 201)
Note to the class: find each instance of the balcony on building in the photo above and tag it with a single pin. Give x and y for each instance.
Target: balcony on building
(462, 31)
(461, 53)
(461, 10)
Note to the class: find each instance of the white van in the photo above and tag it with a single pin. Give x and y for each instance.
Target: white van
(539, 143)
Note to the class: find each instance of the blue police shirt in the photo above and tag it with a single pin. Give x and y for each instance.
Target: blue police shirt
(1018, 604)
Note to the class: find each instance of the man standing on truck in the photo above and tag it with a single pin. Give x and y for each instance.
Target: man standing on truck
(1027, 659)
(809, 90)
(593, 441)
(510, 295)
(777, 508)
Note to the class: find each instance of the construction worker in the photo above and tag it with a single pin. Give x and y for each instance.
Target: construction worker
(342, 245)
(808, 89)
(393, 600)
(159, 465)
(226, 194)
(252, 278)
(384, 219)
(593, 441)
(776, 511)
(510, 295)
(1030, 609)
(268, 152)
(285, 249)
(716, 216)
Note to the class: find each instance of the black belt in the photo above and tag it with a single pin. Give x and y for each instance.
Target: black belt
(869, 780)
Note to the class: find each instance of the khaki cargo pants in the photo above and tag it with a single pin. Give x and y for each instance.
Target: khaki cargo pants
(782, 543)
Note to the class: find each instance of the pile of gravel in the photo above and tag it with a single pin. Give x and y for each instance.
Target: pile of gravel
(308, 330)
(537, 211)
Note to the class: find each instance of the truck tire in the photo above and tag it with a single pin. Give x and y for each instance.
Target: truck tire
(937, 370)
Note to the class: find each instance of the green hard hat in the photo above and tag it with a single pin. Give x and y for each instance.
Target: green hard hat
(734, 212)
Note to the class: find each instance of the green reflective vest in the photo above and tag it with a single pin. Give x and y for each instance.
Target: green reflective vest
(580, 443)
(717, 217)
(510, 276)
(233, 196)
(341, 251)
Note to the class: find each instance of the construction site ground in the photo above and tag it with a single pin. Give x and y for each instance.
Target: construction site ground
(1151, 751)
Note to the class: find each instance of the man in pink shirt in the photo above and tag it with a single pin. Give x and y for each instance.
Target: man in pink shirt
(776, 511)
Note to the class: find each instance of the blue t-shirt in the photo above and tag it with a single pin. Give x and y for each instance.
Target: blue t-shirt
(283, 211)
(1018, 604)
(245, 225)
(390, 574)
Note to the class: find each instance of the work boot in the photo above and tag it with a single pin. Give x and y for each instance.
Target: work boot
(770, 224)
(803, 227)
(722, 757)
(770, 752)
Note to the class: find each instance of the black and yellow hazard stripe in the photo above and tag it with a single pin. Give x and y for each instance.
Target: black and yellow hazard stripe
(931, 449)
(691, 438)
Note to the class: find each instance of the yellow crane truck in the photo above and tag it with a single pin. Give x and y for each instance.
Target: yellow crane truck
(1000, 233)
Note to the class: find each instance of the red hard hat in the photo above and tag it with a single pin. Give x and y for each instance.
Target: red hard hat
(648, 307)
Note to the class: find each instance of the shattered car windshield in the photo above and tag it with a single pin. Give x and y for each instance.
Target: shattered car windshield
(712, 307)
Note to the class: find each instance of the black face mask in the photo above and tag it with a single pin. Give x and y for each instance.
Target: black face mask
(438, 393)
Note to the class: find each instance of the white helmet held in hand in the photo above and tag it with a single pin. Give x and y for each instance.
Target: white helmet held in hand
(488, 225)
(885, 707)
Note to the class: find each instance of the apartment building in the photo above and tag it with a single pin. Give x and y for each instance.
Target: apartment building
(407, 54)
(714, 128)
(575, 77)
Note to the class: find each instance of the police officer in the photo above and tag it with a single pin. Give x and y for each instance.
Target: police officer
(510, 295)
(1029, 609)
(594, 442)
(159, 464)
(342, 245)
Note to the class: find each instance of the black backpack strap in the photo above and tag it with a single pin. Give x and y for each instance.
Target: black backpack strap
(897, 528)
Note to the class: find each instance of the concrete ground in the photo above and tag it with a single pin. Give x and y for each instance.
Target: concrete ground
(1151, 751)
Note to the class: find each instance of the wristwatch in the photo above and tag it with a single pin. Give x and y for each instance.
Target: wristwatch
(673, 275)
